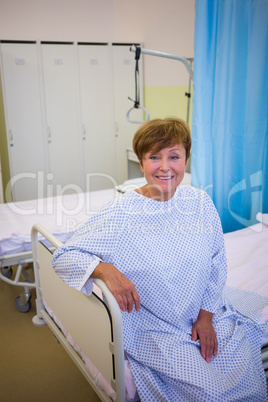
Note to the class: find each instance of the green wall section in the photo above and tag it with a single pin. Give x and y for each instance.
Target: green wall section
(167, 101)
(3, 146)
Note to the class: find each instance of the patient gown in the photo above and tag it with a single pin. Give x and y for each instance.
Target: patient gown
(174, 253)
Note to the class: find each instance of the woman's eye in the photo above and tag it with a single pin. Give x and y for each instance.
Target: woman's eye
(175, 157)
(153, 157)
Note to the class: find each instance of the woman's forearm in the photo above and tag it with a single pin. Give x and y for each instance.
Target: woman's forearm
(101, 269)
(122, 288)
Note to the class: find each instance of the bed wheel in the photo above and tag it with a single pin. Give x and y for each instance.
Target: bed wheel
(6, 272)
(23, 308)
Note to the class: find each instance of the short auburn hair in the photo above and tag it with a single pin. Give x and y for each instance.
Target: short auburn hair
(157, 134)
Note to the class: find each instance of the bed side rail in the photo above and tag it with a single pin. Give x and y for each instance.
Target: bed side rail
(116, 346)
(36, 230)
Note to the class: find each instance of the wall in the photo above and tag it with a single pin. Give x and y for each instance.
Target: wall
(165, 26)
(57, 20)
(162, 25)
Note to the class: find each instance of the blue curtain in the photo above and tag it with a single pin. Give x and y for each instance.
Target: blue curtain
(230, 108)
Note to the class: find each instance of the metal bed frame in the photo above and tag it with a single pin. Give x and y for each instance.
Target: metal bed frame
(23, 262)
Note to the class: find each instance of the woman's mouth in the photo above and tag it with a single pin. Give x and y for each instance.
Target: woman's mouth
(164, 177)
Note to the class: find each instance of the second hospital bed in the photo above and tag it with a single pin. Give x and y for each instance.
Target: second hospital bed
(60, 214)
(92, 334)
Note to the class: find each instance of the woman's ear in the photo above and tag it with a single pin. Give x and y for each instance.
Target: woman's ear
(141, 167)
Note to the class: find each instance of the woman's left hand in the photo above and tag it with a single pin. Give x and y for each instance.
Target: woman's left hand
(204, 331)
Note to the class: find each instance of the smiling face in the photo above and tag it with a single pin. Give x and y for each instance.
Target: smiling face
(163, 171)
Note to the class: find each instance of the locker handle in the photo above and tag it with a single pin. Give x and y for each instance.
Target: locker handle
(11, 138)
(48, 135)
(84, 131)
(116, 129)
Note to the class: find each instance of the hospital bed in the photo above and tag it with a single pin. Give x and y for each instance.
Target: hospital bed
(92, 334)
(247, 255)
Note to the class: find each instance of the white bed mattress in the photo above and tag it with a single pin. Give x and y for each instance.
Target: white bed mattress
(247, 261)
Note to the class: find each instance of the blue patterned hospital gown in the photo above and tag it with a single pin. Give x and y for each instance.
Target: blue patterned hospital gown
(174, 253)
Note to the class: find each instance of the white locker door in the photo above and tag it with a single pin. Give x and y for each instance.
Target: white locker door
(23, 117)
(95, 81)
(62, 114)
(124, 86)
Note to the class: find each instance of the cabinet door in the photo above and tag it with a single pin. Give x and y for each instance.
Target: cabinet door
(95, 81)
(124, 86)
(23, 118)
(62, 114)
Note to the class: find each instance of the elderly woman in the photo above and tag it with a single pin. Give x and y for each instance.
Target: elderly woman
(160, 251)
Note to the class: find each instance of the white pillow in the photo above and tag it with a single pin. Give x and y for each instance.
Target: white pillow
(262, 218)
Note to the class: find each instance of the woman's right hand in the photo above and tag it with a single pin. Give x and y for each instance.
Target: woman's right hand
(122, 288)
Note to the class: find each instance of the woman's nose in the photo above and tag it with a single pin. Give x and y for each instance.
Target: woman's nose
(164, 165)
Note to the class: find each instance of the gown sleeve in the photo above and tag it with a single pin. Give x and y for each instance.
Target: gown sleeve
(212, 296)
(94, 242)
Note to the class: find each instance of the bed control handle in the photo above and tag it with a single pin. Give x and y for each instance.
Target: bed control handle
(113, 384)
(111, 347)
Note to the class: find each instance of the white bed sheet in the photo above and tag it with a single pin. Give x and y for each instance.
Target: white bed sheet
(247, 261)
(60, 215)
